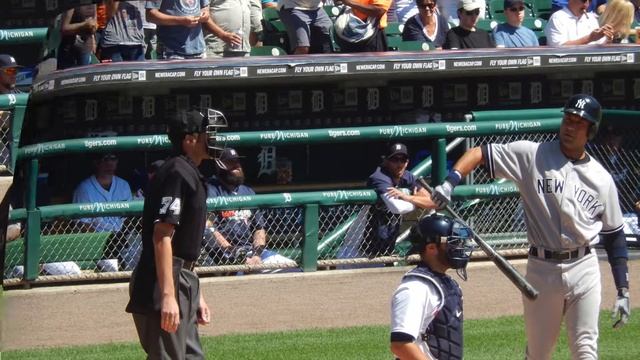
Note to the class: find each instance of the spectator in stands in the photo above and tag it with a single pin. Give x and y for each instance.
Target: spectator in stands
(427, 25)
(398, 193)
(307, 24)
(102, 18)
(636, 13)
(403, 10)
(620, 14)
(466, 35)
(229, 30)
(512, 34)
(123, 37)
(105, 186)
(365, 9)
(179, 27)
(449, 9)
(8, 71)
(78, 43)
(236, 235)
(595, 6)
(573, 25)
(150, 38)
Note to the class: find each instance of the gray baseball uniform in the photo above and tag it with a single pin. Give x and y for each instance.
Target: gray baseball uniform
(567, 205)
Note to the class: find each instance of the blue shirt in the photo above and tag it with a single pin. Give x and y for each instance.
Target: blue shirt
(181, 39)
(386, 225)
(237, 226)
(90, 191)
(512, 37)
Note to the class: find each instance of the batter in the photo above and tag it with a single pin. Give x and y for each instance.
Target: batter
(570, 203)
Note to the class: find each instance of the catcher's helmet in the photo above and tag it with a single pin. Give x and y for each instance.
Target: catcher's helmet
(195, 121)
(588, 108)
(440, 229)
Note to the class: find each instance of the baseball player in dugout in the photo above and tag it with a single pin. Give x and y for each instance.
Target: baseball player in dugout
(571, 203)
(426, 309)
(165, 297)
(398, 194)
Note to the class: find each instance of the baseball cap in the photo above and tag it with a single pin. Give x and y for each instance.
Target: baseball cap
(154, 166)
(7, 60)
(397, 148)
(470, 4)
(230, 154)
(189, 122)
(511, 3)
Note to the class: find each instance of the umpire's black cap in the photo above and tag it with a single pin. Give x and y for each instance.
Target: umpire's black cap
(189, 122)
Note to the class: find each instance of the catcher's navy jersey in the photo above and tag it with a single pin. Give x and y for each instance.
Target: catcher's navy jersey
(424, 304)
(567, 203)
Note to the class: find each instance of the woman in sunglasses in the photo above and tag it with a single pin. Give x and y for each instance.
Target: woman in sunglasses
(466, 35)
(512, 34)
(427, 25)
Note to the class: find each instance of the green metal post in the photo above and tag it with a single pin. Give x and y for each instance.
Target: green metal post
(439, 158)
(310, 245)
(32, 236)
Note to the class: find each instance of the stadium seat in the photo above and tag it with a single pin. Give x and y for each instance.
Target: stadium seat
(487, 24)
(267, 51)
(534, 24)
(393, 31)
(415, 46)
(269, 14)
(542, 8)
(332, 10)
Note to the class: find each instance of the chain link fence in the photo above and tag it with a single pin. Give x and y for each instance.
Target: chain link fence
(347, 234)
(5, 138)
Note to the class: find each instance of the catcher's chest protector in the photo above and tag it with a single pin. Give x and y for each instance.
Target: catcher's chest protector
(444, 334)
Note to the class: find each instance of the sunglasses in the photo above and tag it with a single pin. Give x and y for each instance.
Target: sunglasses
(475, 12)
(10, 70)
(427, 6)
(397, 159)
(517, 9)
(109, 158)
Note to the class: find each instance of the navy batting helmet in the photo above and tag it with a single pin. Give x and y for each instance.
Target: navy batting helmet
(439, 229)
(588, 108)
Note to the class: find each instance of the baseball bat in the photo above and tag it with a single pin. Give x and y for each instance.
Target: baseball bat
(507, 269)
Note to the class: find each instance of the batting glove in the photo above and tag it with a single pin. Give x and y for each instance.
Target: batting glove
(441, 195)
(621, 310)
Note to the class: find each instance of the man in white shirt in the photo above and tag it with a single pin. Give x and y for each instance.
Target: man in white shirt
(573, 25)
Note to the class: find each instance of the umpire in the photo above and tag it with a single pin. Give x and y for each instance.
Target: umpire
(165, 297)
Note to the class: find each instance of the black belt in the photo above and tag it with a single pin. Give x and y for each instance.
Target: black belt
(189, 265)
(558, 255)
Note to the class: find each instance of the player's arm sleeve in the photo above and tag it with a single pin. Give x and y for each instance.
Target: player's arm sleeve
(397, 206)
(613, 238)
(169, 208)
(379, 185)
(409, 304)
(509, 161)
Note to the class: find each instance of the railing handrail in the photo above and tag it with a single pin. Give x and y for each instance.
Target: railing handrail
(304, 136)
(276, 200)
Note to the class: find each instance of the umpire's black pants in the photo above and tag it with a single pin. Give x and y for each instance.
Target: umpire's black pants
(184, 344)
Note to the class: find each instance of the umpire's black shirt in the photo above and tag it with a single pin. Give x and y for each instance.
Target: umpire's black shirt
(177, 196)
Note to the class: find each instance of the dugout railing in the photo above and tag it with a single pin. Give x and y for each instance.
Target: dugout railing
(312, 229)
